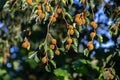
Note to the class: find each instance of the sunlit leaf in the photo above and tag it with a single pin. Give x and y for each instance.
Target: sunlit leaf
(76, 33)
(64, 2)
(86, 52)
(31, 54)
(60, 72)
(100, 38)
(108, 58)
(32, 63)
(36, 58)
(46, 47)
(1, 60)
(53, 63)
(69, 16)
(2, 72)
(113, 71)
(74, 47)
(48, 68)
(75, 41)
(71, 1)
(41, 45)
(51, 54)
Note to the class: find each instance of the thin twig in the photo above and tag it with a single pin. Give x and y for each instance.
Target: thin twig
(48, 26)
(65, 19)
(92, 13)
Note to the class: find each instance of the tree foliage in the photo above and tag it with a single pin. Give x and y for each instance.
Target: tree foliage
(58, 39)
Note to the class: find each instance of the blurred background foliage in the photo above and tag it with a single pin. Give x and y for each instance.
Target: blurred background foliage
(28, 51)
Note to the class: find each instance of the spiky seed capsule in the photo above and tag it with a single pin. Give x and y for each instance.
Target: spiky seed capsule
(71, 32)
(69, 40)
(25, 44)
(29, 2)
(42, 15)
(54, 41)
(44, 59)
(92, 34)
(39, 7)
(115, 27)
(90, 45)
(83, 21)
(47, 8)
(57, 52)
(67, 47)
(52, 46)
(70, 27)
(59, 10)
(53, 19)
(45, 1)
(77, 15)
(94, 24)
(79, 21)
(56, 15)
(39, 12)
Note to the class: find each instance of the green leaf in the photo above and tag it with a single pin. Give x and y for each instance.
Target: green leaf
(75, 41)
(74, 47)
(108, 58)
(36, 58)
(113, 71)
(62, 49)
(100, 38)
(79, 67)
(86, 52)
(71, 1)
(46, 47)
(92, 4)
(53, 63)
(46, 16)
(81, 48)
(87, 21)
(2, 72)
(32, 63)
(95, 67)
(6, 77)
(116, 32)
(111, 33)
(48, 68)
(64, 40)
(118, 40)
(51, 54)
(60, 72)
(76, 33)
(16, 65)
(83, 61)
(40, 46)
(32, 54)
(64, 2)
(80, 28)
(33, 16)
(1, 60)
(69, 16)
